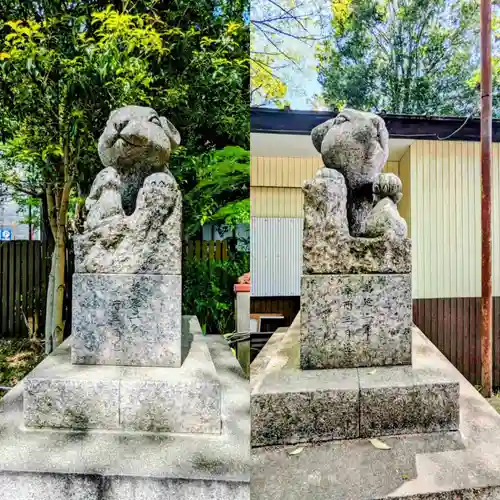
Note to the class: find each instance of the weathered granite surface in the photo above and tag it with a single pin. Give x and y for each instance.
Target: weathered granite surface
(134, 208)
(329, 247)
(61, 395)
(461, 465)
(356, 144)
(137, 142)
(95, 487)
(355, 320)
(290, 405)
(401, 400)
(146, 242)
(293, 407)
(384, 217)
(91, 403)
(94, 465)
(127, 319)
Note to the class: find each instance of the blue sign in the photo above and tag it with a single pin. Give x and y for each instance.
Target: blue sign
(5, 235)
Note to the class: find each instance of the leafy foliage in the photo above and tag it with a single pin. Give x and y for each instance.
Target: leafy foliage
(414, 57)
(65, 65)
(215, 185)
(208, 290)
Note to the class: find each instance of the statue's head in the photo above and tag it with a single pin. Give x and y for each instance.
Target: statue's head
(137, 135)
(355, 143)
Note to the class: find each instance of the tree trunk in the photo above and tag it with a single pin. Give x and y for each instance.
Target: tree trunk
(59, 287)
(49, 305)
(58, 212)
(45, 224)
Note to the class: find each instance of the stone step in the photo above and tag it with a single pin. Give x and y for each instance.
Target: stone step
(62, 395)
(293, 406)
(103, 465)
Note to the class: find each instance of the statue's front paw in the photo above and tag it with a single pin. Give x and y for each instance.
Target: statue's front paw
(329, 173)
(388, 185)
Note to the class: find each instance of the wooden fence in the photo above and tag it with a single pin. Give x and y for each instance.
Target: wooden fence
(24, 276)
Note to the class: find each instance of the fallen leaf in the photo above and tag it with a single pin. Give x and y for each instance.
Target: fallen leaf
(405, 477)
(379, 444)
(296, 451)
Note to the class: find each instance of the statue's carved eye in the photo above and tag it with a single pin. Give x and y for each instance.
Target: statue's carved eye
(162, 184)
(153, 183)
(155, 120)
(121, 125)
(340, 119)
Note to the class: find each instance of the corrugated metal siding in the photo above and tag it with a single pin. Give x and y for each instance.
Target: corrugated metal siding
(282, 171)
(446, 224)
(275, 256)
(276, 184)
(276, 202)
(404, 206)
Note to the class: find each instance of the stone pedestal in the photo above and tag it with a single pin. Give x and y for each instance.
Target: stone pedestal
(62, 395)
(290, 405)
(127, 319)
(355, 320)
(205, 455)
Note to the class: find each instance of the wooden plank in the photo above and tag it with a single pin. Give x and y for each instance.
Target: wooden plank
(44, 277)
(4, 274)
(453, 331)
(11, 291)
(477, 339)
(468, 312)
(473, 332)
(445, 315)
(218, 250)
(19, 329)
(205, 255)
(461, 334)
(24, 282)
(31, 249)
(496, 342)
(197, 249)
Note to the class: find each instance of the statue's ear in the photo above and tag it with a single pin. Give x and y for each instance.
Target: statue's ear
(381, 132)
(171, 131)
(318, 133)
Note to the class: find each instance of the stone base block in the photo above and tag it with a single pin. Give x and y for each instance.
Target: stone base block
(355, 320)
(60, 464)
(58, 394)
(127, 319)
(401, 400)
(293, 407)
(290, 405)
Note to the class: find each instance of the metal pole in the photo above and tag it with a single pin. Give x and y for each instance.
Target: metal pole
(486, 132)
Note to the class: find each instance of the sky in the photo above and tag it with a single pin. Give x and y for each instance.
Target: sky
(302, 80)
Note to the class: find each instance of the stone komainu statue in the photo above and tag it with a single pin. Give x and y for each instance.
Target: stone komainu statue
(134, 208)
(356, 144)
(351, 220)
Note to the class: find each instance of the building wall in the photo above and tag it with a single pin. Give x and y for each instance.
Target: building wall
(441, 204)
(9, 219)
(446, 219)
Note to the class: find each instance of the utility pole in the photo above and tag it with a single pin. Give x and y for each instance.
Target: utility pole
(486, 133)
